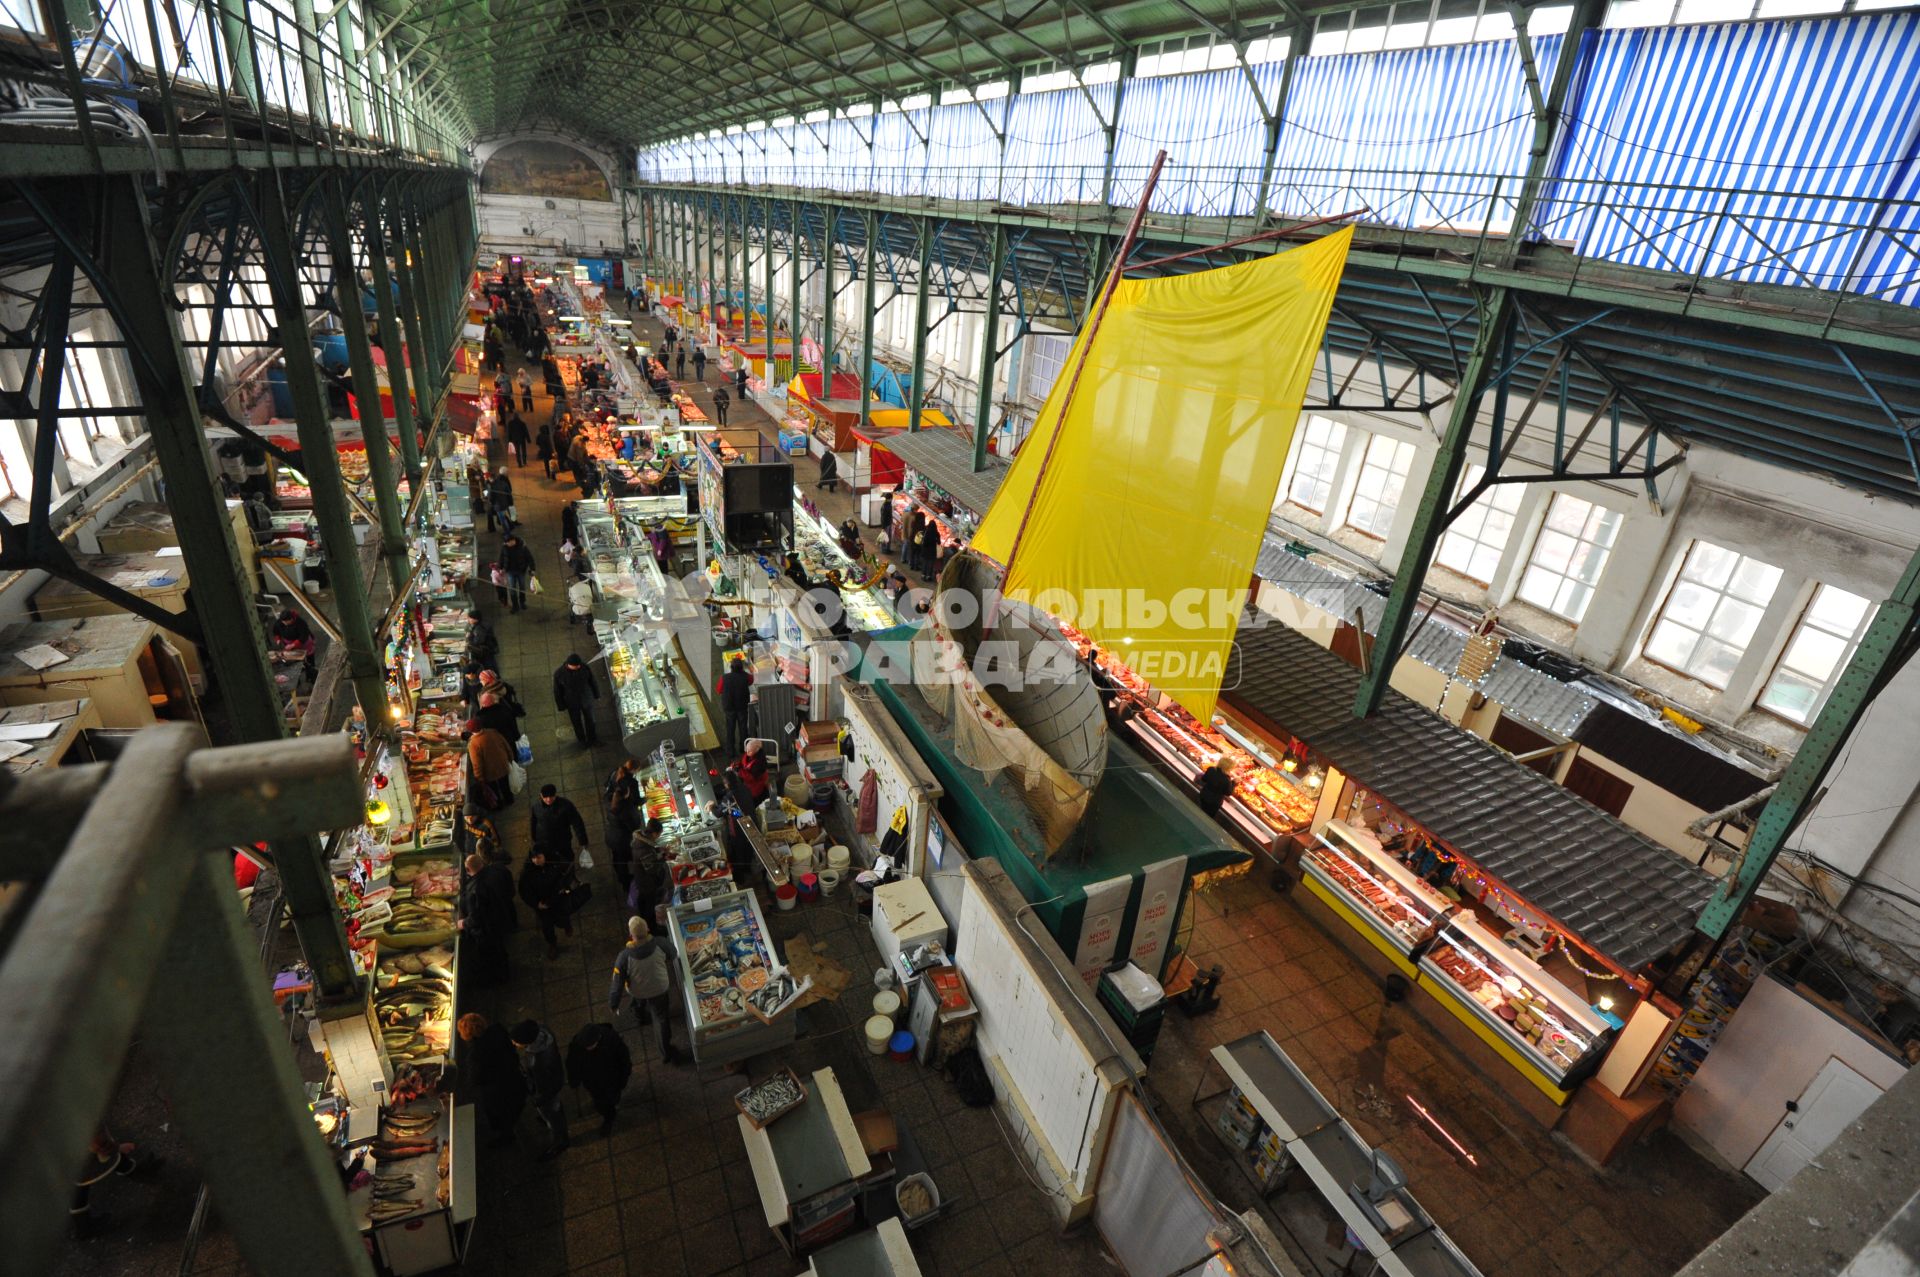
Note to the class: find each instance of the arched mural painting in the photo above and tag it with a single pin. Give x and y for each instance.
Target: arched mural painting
(546, 169)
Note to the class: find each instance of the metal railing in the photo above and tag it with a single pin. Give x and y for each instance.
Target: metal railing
(1825, 239)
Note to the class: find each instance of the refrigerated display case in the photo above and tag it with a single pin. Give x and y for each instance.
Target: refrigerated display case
(726, 955)
(657, 699)
(1498, 991)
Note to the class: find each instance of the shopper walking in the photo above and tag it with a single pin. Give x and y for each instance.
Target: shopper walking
(544, 887)
(489, 759)
(522, 380)
(490, 1075)
(598, 1062)
(736, 702)
(624, 816)
(486, 919)
(517, 439)
(721, 401)
(554, 823)
(543, 448)
(500, 502)
(644, 972)
(740, 384)
(517, 561)
(680, 364)
(700, 363)
(829, 472)
(575, 690)
(540, 1066)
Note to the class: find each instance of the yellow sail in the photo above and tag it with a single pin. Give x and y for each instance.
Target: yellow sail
(1147, 521)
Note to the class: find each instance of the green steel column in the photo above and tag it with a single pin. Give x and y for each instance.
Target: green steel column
(793, 285)
(989, 347)
(1886, 645)
(401, 382)
(866, 321)
(366, 384)
(1299, 38)
(826, 291)
(307, 32)
(321, 462)
(222, 593)
(766, 261)
(917, 394)
(1497, 312)
(238, 37)
(726, 248)
(354, 61)
(713, 276)
(423, 375)
(1587, 15)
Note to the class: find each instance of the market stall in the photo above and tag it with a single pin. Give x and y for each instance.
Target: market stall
(808, 1166)
(45, 735)
(125, 665)
(827, 411)
(1521, 921)
(738, 997)
(159, 577)
(940, 481)
(144, 527)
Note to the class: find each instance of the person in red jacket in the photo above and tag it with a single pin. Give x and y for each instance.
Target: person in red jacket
(752, 771)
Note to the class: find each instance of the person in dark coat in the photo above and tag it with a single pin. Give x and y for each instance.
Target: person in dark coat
(598, 1062)
(1215, 784)
(570, 522)
(829, 473)
(575, 689)
(699, 363)
(721, 401)
(740, 385)
(555, 823)
(540, 1065)
(736, 702)
(647, 870)
(500, 501)
(482, 646)
(495, 712)
(517, 560)
(543, 886)
(517, 436)
(624, 816)
(490, 1074)
(486, 918)
(544, 448)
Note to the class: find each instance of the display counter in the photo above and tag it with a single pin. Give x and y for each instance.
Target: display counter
(122, 663)
(1280, 1122)
(807, 1167)
(881, 1251)
(816, 542)
(418, 1195)
(659, 702)
(1529, 1019)
(43, 735)
(726, 956)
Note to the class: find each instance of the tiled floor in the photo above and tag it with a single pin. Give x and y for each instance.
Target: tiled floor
(1529, 1205)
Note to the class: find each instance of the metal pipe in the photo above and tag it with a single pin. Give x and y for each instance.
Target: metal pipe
(1699, 828)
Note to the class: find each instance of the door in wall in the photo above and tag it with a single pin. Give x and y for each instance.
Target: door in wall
(1832, 1101)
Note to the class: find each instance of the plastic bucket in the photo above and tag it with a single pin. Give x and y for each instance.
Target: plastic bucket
(797, 790)
(900, 1045)
(839, 858)
(829, 879)
(809, 887)
(802, 857)
(785, 895)
(823, 798)
(879, 1033)
(886, 1003)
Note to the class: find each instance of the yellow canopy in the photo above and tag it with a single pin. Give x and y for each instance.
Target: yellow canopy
(1144, 527)
(896, 418)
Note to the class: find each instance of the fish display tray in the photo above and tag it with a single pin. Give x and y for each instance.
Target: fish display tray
(761, 1103)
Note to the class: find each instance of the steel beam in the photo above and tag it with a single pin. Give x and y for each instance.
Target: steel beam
(158, 902)
(366, 384)
(402, 383)
(1430, 519)
(917, 395)
(726, 249)
(989, 348)
(793, 284)
(867, 321)
(828, 216)
(766, 262)
(315, 430)
(423, 373)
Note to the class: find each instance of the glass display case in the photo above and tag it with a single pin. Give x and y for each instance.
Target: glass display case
(1467, 966)
(817, 544)
(726, 955)
(658, 704)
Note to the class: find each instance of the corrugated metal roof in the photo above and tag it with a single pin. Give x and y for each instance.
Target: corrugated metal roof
(1621, 893)
(946, 458)
(1536, 696)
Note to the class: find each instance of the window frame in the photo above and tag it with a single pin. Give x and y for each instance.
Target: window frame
(1303, 441)
(1468, 478)
(1533, 554)
(1721, 595)
(1402, 447)
(1852, 645)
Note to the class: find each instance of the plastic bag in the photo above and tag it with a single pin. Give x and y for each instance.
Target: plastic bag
(534, 586)
(584, 859)
(516, 777)
(523, 750)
